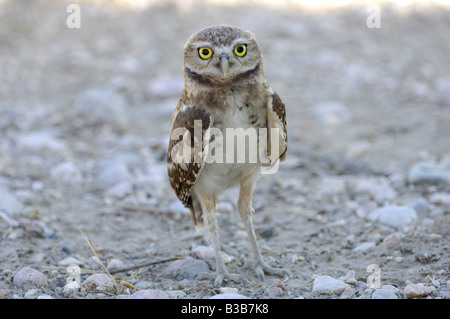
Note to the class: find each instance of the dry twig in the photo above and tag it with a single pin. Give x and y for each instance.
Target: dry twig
(98, 261)
(144, 265)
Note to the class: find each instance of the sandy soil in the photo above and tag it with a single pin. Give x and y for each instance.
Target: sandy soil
(364, 105)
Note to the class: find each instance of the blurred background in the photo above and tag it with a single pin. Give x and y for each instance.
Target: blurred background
(85, 107)
(390, 83)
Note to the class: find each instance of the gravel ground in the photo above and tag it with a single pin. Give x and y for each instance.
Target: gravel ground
(360, 208)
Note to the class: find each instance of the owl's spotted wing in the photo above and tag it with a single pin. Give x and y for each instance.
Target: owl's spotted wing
(276, 119)
(185, 153)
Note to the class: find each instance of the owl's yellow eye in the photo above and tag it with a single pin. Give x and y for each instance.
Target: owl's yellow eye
(240, 50)
(205, 53)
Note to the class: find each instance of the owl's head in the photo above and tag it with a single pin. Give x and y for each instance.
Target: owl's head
(221, 55)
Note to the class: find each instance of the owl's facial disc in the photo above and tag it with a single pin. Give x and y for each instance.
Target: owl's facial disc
(220, 61)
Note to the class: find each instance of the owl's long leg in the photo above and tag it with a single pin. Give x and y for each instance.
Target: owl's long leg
(246, 211)
(208, 207)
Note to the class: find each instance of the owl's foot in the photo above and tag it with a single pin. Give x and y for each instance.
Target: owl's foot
(221, 276)
(263, 268)
(226, 276)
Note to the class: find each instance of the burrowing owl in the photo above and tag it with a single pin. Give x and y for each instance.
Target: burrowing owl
(225, 90)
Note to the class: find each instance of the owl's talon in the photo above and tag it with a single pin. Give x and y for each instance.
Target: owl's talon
(263, 268)
(219, 278)
(231, 277)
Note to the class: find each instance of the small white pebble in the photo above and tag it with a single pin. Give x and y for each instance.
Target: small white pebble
(228, 290)
(175, 294)
(99, 282)
(31, 294)
(350, 277)
(204, 252)
(383, 294)
(229, 296)
(418, 290)
(149, 294)
(115, 263)
(28, 277)
(328, 285)
(364, 246)
(69, 261)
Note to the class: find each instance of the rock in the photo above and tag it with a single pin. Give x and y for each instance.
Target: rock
(350, 277)
(100, 282)
(360, 285)
(67, 174)
(229, 296)
(393, 216)
(391, 288)
(383, 294)
(441, 199)
(44, 297)
(4, 293)
(418, 290)
(70, 289)
(295, 258)
(331, 113)
(148, 294)
(397, 180)
(70, 261)
(204, 252)
(364, 246)
(429, 172)
(115, 263)
(27, 277)
(37, 258)
(41, 143)
(228, 290)
(398, 259)
(348, 293)
(31, 294)
(187, 268)
(420, 205)
(111, 172)
(175, 294)
(267, 231)
(275, 289)
(427, 256)
(9, 204)
(377, 188)
(328, 285)
(101, 107)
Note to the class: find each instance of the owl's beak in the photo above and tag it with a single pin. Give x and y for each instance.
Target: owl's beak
(224, 64)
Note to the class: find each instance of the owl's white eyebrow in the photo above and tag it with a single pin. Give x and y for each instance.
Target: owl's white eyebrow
(239, 41)
(203, 44)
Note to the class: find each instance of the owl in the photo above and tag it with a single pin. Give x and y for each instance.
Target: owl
(226, 109)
